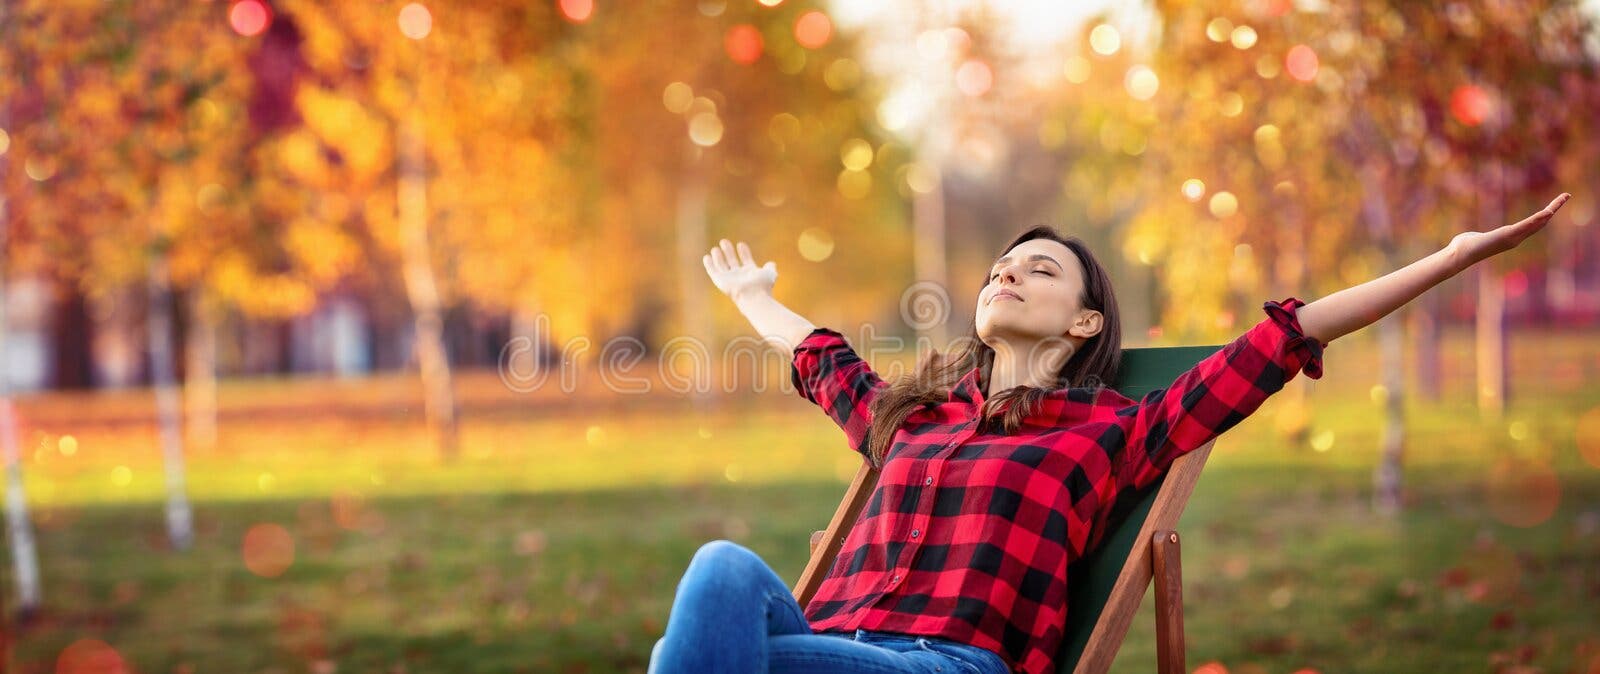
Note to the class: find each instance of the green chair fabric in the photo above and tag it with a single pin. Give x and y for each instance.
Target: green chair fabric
(1092, 577)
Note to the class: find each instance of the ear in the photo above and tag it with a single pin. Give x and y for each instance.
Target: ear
(1088, 324)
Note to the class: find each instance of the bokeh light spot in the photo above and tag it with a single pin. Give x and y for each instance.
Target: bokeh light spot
(68, 445)
(122, 476)
(815, 244)
(1244, 37)
(856, 154)
(579, 11)
(1219, 29)
(705, 129)
(1322, 441)
(1105, 40)
(249, 17)
(1212, 667)
(784, 128)
(974, 78)
(268, 550)
(772, 192)
(921, 178)
(1230, 104)
(677, 97)
(813, 29)
(1516, 283)
(415, 21)
(1193, 189)
(743, 43)
(1523, 493)
(39, 167)
(1301, 62)
(1141, 82)
(1224, 204)
(90, 656)
(1267, 66)
(1469, 104)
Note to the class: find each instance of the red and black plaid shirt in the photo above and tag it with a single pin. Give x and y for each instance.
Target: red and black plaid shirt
(968, 534)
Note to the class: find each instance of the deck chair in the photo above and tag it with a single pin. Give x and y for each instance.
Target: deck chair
(1108, 584)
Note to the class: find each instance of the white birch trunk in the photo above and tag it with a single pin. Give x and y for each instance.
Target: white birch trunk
(169, 406)
(439, 402)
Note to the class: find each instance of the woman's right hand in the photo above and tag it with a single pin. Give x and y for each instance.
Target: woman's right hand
(735, 273)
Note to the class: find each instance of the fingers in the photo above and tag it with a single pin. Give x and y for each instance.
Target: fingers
(718, 261)
(745, 257)
(729, 254)
(706, 260)
(1556, 204)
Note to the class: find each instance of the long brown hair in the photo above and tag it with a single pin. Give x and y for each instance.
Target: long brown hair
(1093, 366)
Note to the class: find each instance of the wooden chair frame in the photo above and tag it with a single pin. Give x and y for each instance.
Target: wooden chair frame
(1109, 584)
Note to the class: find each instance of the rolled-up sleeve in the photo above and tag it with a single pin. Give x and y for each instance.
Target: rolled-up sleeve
(827, 371)
(1215, 395)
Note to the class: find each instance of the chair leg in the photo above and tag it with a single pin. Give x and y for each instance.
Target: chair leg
(1168, 573)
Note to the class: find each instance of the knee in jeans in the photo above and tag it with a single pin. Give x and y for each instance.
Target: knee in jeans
(655, 655)
(723, 553)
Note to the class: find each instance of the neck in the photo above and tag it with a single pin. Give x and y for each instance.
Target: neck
(1021, 362)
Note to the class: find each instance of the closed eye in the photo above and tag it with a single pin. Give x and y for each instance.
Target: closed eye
(1041, 270)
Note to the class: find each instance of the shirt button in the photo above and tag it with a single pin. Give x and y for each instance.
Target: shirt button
(928, 481)
(914, 532)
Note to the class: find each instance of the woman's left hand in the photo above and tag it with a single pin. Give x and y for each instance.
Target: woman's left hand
(1471, 248)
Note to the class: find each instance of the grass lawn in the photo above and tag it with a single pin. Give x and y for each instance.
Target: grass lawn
(554, 543)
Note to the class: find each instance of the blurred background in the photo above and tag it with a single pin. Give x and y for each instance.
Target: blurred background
(373, 336)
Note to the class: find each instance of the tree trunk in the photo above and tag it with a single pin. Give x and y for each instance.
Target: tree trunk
(1388, 496)
(200, 373)
(1427, 344)
(1490, 328)
(24, 557)
(169, 408)
(1491, 342)
(439, 400)
(1388, 478)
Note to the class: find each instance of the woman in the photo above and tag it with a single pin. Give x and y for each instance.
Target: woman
(1000, 464)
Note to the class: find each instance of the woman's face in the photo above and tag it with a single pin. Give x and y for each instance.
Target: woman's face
(1032, 295)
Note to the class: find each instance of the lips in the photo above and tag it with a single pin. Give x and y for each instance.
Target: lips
(1005, 293)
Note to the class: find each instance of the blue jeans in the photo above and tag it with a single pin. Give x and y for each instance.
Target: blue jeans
(734, 614)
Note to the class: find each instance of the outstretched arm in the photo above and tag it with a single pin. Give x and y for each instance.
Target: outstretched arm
(735, 273)
(1356, 307)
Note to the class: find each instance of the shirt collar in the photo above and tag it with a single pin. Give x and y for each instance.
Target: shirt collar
(968, 389)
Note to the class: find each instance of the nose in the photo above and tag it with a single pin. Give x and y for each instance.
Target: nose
(1008, 274)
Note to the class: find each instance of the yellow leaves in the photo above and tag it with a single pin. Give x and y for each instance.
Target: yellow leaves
(300, 152)
(378, 211)
(362, 138)
(323, 252)
(95, 98)
(1146, 241)
(280, 295)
